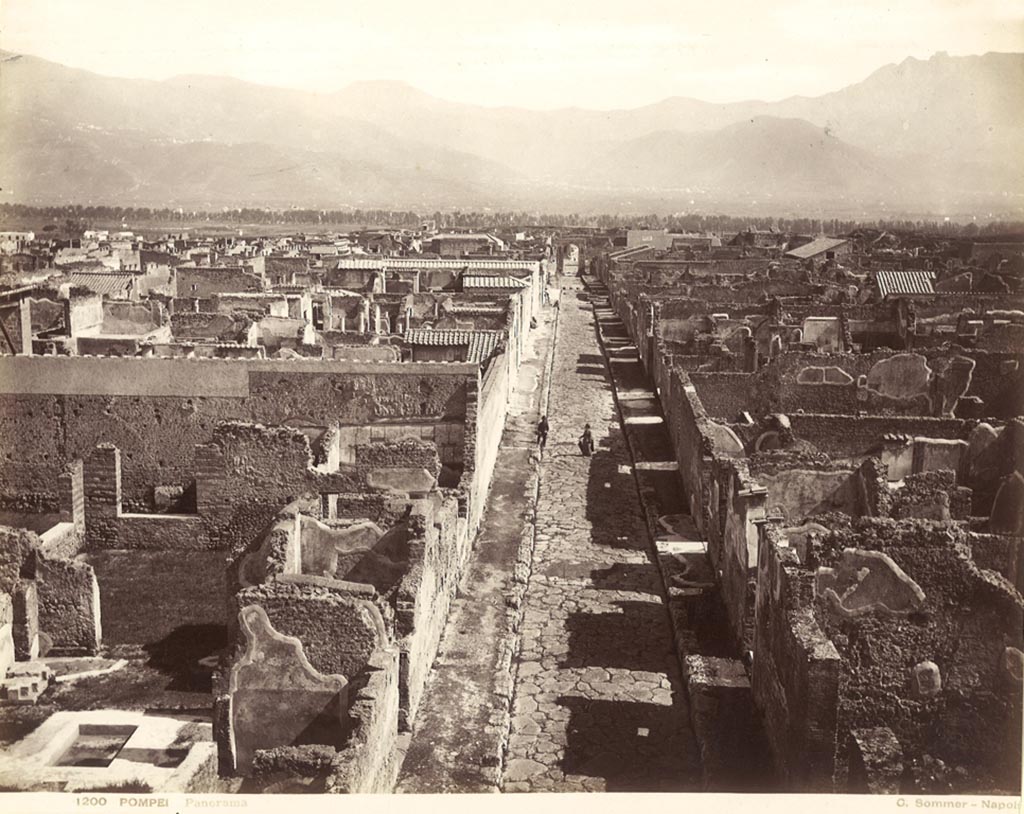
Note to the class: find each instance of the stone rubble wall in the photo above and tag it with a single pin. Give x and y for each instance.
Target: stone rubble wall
(439, 549)
(796, 671)
(157, 411)
(369, 762)
(69, 606)
(968, 619)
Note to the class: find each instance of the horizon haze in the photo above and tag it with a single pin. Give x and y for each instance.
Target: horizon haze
(234, 113)
(543, 57)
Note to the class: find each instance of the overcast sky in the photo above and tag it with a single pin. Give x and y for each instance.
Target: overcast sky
(531, 53)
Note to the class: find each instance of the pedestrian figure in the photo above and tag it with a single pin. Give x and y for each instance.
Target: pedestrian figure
(542, 432)
(586, 442)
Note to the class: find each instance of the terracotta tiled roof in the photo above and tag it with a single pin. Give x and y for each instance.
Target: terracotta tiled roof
(110, 284)
(481, 344)
(905, 282)
(478, 281)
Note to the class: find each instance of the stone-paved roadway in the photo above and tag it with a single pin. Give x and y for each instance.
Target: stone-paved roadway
(598, 702)
(457, 738)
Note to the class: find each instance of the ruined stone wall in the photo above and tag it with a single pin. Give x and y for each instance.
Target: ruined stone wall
(28, 487)
(490, 424)
(156, 411)
(243, 480)
(406, 453)
(795, 676)
(108, 527)
(1000, 553)
(439, 548)
(52, 597)
(799, 488)
(200, 282)
(998, 381)
(931, 496)
(735, 559)
(148, 595)
(211, 326)
(69, 606)
(250, 472)
(17, 547)
(685, 417)
(369, 763)
(725, 395)
(433, 547)
(924, 646)
(929, 382)
(447, 435)
(856, 437)
(339, 632)
(875, 498)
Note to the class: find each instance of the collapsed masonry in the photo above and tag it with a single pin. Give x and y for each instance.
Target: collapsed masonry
(319, 513)
(858, 483)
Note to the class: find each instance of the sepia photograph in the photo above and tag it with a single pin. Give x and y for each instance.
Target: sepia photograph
(452, 399)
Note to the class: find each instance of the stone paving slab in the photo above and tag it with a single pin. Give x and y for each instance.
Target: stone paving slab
(598, 703)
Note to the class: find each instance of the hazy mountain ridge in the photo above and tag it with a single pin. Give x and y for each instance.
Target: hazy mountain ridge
(909, 134)
(788, 158)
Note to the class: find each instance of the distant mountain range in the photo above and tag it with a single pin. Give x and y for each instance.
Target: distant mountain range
(924, 135)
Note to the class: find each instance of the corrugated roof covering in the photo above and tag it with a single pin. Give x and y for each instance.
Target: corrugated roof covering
(110, 284)
(481, 344)
(815, 247)
(905, 282)
(476, 281)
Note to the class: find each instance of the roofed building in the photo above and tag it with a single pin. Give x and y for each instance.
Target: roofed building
(905, 283)
(822, 248)
(430, 345)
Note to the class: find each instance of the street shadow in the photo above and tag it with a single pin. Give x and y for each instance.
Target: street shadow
(590, 364)
(650, 442)
(612, 507)
(622, 576)
(634, 638)
(662, 491)
(631, 745)
(629, 374)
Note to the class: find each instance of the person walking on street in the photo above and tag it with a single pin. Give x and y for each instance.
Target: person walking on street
(586, 442)
(542, 433)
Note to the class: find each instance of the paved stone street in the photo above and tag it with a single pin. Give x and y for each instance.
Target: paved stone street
(598, 704)
(461, 725)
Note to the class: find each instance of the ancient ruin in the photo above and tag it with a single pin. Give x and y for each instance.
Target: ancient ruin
(286, 524)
